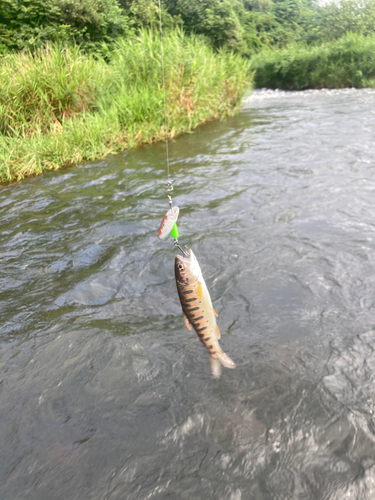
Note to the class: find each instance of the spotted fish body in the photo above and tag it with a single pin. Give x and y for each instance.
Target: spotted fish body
(198, 310)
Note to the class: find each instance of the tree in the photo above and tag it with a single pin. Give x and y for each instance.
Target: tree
(218, 20)
(29, 24)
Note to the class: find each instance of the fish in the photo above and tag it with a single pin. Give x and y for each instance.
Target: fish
(198, 311)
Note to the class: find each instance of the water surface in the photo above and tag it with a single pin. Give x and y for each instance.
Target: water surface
(104, 393)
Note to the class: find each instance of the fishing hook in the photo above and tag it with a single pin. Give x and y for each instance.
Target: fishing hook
(176, 244)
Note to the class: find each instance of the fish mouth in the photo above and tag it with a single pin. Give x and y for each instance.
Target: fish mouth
(185, 259)
(189, 263)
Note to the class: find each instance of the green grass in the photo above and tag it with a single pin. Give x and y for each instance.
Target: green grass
(60, 107)
(347, 62)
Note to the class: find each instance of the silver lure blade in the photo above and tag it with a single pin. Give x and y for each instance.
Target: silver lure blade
(168, 222)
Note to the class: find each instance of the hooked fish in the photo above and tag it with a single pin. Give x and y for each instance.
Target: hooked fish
(198, 310)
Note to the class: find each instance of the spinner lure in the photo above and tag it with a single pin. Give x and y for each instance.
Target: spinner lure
(168, 224)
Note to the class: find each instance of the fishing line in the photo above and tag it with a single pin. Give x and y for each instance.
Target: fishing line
(168, 224)
(165, 99)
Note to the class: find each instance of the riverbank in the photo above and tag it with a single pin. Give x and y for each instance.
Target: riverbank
(63, 107)
(347, 62)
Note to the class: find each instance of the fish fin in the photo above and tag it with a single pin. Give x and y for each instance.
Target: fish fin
(200, 289)
(226, 361)
(187, 322)
(217, 333)
(215, 367)
(215, 313)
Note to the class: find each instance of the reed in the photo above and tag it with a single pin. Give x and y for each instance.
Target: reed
(60, 107)
(347, 62)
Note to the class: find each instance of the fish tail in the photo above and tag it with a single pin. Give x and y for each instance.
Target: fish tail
(218, 361)
(215, 367)
(226, 361)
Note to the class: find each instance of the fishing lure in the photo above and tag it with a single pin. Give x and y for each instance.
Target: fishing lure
(168, 224)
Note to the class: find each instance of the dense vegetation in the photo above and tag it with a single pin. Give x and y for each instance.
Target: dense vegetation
(62, 106)
(338, 50)
(292, 28)
(246, 26)
(346, 62)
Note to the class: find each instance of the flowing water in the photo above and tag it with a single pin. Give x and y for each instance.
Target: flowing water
(104, 393)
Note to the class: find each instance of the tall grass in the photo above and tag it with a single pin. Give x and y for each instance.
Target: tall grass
(61, 107)
(347, 62)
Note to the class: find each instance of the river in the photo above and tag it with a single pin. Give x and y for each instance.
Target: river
(105, 395)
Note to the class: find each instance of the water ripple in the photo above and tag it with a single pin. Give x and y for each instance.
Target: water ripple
(106, 395)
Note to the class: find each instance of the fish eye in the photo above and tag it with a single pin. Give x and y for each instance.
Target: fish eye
(180, 266)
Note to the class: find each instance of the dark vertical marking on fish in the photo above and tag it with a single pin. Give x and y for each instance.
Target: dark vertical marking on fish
(201, 329)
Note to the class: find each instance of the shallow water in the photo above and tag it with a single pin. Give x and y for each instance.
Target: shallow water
(105, 394)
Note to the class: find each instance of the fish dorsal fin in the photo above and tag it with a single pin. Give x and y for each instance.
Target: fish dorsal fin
(215, 313)
(217, 332)
(187, 323)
